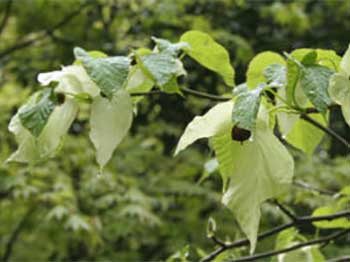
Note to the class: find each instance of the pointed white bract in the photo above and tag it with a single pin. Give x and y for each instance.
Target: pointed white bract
(110, 121)
(216, 120)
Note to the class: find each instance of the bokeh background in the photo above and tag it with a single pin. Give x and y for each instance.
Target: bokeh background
(148, 206)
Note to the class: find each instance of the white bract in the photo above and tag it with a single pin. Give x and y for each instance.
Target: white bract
(71, 80)
(258, 169)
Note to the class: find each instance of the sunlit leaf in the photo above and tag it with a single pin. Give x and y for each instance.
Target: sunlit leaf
(304, 135)
(258, 65)
(206, 51)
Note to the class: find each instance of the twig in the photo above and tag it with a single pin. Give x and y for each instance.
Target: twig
(285, 210)
(297, 223)
(187, 91)
(326, 130)
(10, 243)
(44, 34)
(304, 185)
(204, 95)
(150, 93)
(218, 241)
(6, 15)
(294, 247)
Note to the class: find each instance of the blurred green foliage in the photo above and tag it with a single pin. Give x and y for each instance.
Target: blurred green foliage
(147, 205)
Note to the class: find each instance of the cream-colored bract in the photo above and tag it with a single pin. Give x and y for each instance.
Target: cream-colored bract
(212, 123)
(258, 170)
(110, 121)
(71, 80)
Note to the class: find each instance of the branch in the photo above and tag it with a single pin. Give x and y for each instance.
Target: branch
(204, 95)
(187, 91)
(10, 243)
(294, 247)
(6, 15)
(296, 223)
(44, 34)
(285, 210)
(326, 130)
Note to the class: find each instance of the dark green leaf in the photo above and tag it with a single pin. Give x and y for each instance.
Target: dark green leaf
(109, 73)
(164, 46)
(246, 108)
(310, 58)
(314, 82)
(35, 116)
(161, 67)
(276, 75)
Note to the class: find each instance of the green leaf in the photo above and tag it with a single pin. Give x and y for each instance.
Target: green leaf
(246, 108)
(255, 73)
(339, 86)
(138, 82)
(162, 67)
(34, 116)
(336, 223)
(206, 51)
(93, 54)
(307, 254)
(314, 82)
(291, 237)
(110, 121)
(33, 150)
(258, 170)
(327, 58)
(305, 136)
(164, 46)
(276, 75)
(310, 58)
(345, 63)
(72, 80)
(215, 121)
(110, 73)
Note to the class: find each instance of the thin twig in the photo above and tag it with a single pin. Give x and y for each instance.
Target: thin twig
(285, 210)
(13, 237)
(186, 91)
(204, 95)
(294, 247)
(326, 130)
(297, 223)
(218, 241)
